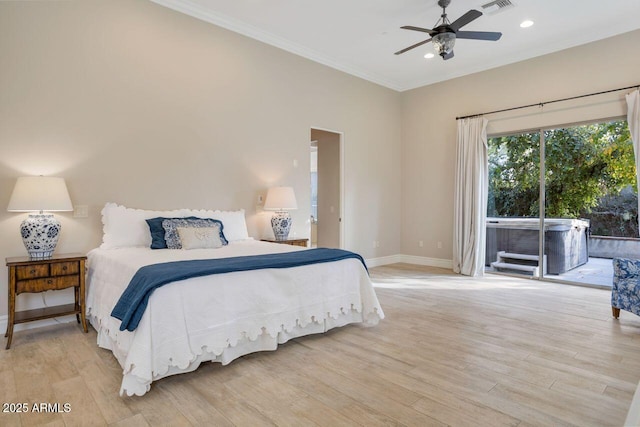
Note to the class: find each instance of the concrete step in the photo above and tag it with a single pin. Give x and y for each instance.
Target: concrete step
(514, 266)
(510, 255)
(533, 269)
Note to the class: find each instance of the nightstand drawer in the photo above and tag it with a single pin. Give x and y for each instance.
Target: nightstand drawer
(32, 271)
(46, 284)
(65, 268)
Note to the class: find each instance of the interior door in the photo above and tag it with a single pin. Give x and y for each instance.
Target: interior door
(328, 222)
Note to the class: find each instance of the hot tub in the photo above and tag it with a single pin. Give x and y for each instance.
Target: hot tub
(566, 240)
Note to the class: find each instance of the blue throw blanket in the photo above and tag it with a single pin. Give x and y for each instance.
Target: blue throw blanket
(133, 301)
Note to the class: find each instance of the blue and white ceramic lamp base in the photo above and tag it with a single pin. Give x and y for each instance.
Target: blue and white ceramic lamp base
(40, 235)
(281, 224)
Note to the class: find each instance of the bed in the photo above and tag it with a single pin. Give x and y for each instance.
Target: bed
(216, 317)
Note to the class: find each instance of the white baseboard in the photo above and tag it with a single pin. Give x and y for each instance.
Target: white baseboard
(376, 262)
(410, 259)
(431, 262)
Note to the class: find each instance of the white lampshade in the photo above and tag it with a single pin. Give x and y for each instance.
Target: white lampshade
(40, 193)
(280, 199)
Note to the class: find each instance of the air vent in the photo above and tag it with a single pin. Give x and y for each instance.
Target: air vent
(496, 6)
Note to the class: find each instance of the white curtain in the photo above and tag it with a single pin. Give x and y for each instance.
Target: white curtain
(633, 119)
(470, 197)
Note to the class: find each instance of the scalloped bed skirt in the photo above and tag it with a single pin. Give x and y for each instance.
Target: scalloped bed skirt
(135, 385)
(223, 316)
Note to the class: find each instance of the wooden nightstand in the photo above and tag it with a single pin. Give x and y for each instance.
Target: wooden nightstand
(39, 275)
(292, 242)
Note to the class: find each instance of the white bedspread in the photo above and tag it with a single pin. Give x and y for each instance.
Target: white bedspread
(220, 317)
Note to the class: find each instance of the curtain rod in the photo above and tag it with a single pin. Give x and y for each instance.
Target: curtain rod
(541, 104)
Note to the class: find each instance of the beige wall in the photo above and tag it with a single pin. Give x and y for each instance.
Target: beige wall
(429, 122)
(328, 227)
(137, 104)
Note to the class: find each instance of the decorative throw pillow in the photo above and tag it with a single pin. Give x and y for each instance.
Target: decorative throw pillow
(172, 238)
(157, 231)
(235, 225)
(199, 237)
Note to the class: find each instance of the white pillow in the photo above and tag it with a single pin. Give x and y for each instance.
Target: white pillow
(200, 237)
(125, 227)
(234, 225)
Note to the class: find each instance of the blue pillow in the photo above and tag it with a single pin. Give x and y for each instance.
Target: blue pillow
(158, 233)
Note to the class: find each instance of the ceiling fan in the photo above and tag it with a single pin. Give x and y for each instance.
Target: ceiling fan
(445, 33)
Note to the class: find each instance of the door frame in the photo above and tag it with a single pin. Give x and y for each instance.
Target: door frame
(342, 180)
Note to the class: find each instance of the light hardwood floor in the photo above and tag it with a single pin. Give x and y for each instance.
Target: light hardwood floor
(451, 351)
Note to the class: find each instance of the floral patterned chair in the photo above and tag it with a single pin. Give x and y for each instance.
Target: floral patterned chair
(625, 293)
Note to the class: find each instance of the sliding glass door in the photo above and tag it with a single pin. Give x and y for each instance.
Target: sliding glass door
(590, 201)
(583, 212)
(513, 218)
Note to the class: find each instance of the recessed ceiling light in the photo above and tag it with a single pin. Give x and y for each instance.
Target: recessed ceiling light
(526, 24)
(429, 55)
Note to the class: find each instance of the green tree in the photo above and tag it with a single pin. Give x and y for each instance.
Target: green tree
(514, 175)
(583, 165)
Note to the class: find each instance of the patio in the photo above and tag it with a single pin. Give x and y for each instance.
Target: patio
(597, 271)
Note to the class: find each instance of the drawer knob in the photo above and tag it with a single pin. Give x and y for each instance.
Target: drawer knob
(49, 282)
(64, 268)
(32, 271)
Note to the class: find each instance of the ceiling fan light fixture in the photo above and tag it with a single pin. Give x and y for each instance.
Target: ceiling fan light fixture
(443, 43)
(444, 34)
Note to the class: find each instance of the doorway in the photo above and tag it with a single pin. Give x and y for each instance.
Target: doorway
(327, 192)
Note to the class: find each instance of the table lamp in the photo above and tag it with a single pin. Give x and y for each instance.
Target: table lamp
(281, 200)
(38, 194)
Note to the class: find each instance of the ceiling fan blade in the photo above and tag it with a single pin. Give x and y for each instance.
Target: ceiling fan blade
(478, 35)
(465, 19)
(448, 56)
(412, 46)
(422, 30)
